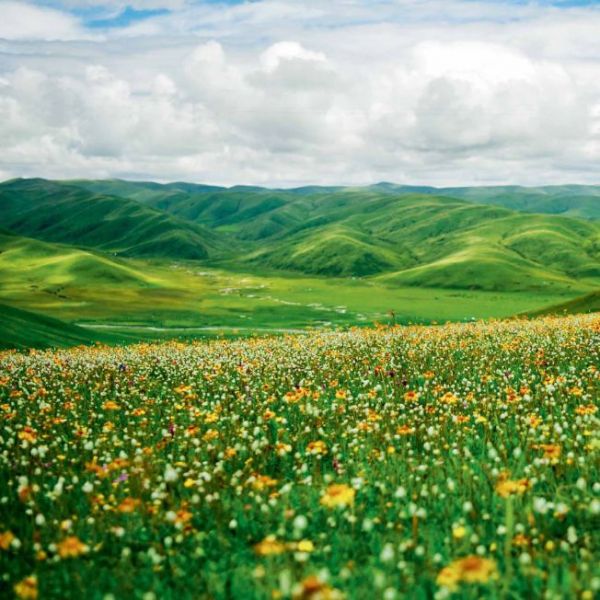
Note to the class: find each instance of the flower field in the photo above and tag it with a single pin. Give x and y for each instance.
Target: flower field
(455, 461)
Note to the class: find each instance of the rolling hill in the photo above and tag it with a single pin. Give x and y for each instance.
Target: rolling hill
(24, 329)
(588, 303)
(395, 236)
(58, 212)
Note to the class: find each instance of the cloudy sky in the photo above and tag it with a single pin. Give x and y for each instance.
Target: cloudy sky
(287, 92)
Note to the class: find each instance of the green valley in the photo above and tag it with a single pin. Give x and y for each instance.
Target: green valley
(138, 260)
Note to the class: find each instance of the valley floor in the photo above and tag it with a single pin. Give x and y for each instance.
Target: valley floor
(191, 300)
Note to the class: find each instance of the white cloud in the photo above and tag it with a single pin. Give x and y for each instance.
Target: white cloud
(22, 21)
(344, 91)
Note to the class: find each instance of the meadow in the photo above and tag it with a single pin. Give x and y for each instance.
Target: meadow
(451, 461)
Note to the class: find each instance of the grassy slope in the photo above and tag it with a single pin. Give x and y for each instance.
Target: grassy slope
(24, 329)
(63, 213)
(583, 304)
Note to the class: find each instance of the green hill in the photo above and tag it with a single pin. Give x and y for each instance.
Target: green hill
(398, 234)
(23, 329)
(189, 200)
(60, 266)
(418, 236)
(588, 303)
(63, 213)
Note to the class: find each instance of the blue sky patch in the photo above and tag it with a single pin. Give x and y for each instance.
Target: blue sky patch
(124, 18)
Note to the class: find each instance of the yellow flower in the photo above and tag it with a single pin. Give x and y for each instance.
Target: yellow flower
(305, 546)
(521, 540)
(71, 547)
(459, 532)
(318, 447)
(27, 589)
(449, 398)
(338, 494)
(269, 546)
(263, 481)
(210, 435)
(470, 569)
(110, 405)
(448, 577)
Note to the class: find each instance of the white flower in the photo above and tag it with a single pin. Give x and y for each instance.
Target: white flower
(387, 553)
(400, 492)
(300, 523)
(170, 474)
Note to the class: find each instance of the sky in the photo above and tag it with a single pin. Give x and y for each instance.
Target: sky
(294, 92)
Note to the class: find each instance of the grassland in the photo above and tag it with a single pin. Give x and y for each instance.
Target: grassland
(151, 260)
(456, 461)
(90, 288)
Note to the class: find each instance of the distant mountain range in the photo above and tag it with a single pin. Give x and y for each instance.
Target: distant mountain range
(487, 238)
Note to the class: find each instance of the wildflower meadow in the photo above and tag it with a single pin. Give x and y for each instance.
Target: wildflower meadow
(449, 461)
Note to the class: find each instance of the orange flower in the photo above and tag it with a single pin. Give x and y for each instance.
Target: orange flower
(470, 569)
(110, 405)
(6, 539)
(183, 516)
(521, 540)
(338, 494)
(27, 589)
(282, 448)
(586, 409)
(128, 505)
(71, 547)
(28, 434)
(511, 487)
(312, 588)
(404, 430)
(411, 396)
(268, 415)
(551, 451)
(318, 447)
